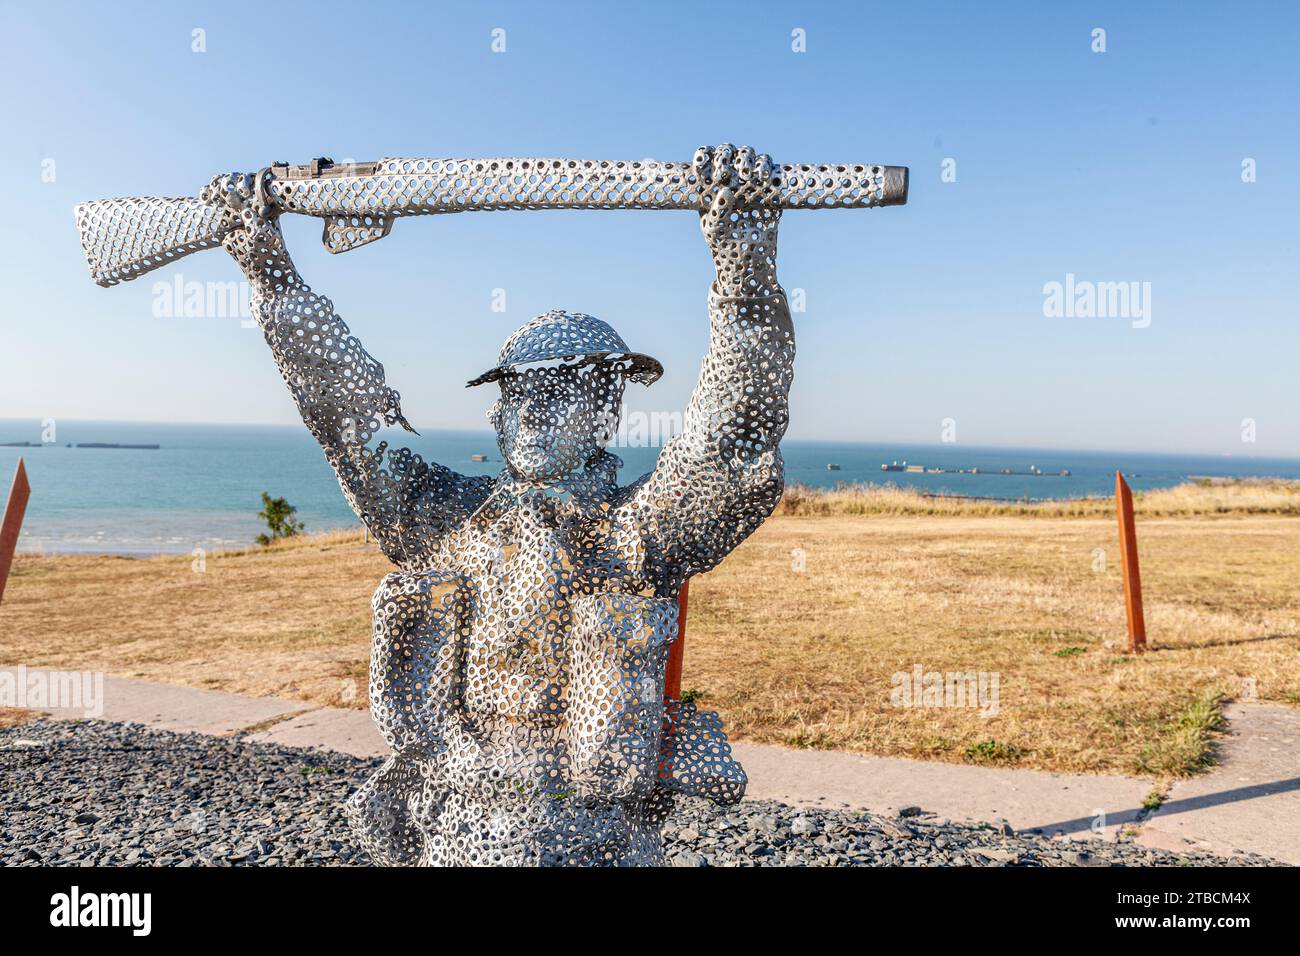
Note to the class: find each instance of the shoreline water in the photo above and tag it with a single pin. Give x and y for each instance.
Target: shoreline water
(201, 488)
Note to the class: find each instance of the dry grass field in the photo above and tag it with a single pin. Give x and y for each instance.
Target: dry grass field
(11, 717)
(805, 658)
(1206, 496)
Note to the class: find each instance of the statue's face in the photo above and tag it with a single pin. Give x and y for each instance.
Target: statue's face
(552, 419)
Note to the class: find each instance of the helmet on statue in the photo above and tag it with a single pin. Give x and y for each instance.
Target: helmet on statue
(574, 337)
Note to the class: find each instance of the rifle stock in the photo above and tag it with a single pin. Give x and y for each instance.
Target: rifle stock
(126, 238)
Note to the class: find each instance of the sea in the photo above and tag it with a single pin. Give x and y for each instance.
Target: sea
(201, 487)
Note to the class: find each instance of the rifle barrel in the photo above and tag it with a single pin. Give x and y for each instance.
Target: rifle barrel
(412, 187)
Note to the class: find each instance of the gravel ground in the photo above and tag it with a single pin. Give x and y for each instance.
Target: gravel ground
(107, 794)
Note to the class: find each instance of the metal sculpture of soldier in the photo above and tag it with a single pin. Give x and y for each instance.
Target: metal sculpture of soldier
(518, 652)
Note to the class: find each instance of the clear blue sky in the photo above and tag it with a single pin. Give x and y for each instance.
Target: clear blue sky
(1121, 166)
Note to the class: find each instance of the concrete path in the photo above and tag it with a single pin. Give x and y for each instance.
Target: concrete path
(1251, 802)
(167, 706)
(1072, 805)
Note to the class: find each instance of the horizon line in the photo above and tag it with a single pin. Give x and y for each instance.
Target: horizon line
(835, 441)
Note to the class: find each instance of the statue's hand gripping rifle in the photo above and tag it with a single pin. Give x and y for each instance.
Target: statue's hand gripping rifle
(126, 238)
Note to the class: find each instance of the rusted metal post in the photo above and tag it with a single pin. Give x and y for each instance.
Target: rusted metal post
(673, 674)
(13, 520)
(673, 686)
(1128, 546)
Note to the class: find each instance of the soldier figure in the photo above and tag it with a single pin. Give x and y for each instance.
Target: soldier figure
(518, 654)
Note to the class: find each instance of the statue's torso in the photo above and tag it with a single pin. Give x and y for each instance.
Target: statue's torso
(525, 565)
(517, 670)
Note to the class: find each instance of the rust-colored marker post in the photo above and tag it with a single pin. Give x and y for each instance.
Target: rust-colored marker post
(673, 687)
(1128, 546)
(673, 674)
(13, 520)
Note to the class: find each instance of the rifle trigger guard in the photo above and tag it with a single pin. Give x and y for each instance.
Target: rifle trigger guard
(259, 192)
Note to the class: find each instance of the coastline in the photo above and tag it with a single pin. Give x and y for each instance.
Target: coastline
(202, 487)
(1208, 499)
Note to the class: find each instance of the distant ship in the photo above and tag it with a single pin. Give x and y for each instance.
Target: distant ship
(1034, 470)
(105, 444)
(84, 444)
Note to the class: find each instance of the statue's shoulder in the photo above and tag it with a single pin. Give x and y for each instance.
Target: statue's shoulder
(458, 496)
(441, 504)
(624, 494)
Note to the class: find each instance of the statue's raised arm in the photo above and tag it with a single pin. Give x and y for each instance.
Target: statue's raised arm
(715, 483)
(339, 388)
